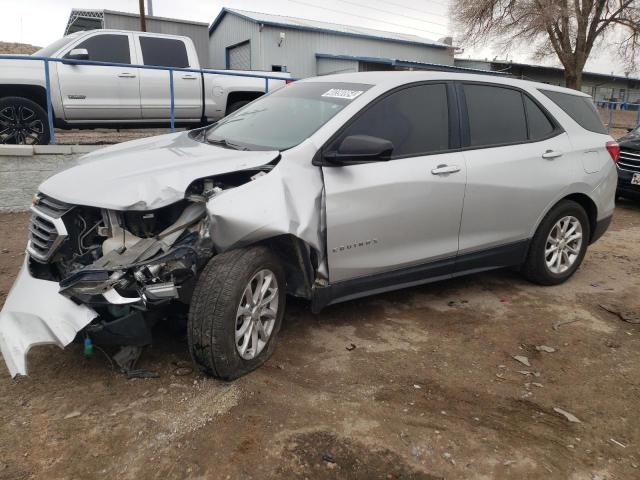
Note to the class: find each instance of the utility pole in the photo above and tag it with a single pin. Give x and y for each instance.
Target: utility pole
(143, 22)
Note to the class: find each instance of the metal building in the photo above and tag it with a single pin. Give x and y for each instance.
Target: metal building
(243, 40)
(80, 19)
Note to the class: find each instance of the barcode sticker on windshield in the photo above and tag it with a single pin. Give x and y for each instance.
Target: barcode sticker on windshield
(340, 93)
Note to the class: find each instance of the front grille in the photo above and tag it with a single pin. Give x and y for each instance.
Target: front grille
(46, 230)
(629, 160)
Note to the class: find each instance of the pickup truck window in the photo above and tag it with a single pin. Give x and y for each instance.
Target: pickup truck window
(286, 117)
(107, 48)
(164, 52)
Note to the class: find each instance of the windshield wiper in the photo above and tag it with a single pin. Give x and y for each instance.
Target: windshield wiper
(226, 144)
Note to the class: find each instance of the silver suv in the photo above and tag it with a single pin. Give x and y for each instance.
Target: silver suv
(328, 189)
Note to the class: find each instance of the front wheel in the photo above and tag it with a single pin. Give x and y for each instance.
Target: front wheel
(236, 312)
(559, 245)
(22, 122)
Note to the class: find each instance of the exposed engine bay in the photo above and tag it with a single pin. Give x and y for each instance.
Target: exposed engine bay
(123, 264)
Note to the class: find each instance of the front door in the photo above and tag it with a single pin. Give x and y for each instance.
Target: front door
(92, 92)
(404, 212)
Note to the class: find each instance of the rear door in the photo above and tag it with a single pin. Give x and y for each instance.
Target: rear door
(518, 161)
(91, 92)
(154, 84)
(405, 212)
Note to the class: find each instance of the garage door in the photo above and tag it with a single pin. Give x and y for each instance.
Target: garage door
(239, 57)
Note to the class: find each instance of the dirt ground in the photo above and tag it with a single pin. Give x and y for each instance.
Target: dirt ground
(419, 383)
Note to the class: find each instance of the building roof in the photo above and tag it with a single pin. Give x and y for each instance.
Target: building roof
(398, 62)
(325, 27)
(507, 64)
(88, 19)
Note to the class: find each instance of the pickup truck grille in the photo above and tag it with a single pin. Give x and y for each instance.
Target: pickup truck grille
(46, 230)
(629, 160)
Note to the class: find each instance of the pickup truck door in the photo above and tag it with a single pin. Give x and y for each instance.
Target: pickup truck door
(400, 215)
(154, 84)
(91, 92)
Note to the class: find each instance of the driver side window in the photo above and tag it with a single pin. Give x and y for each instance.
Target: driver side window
(414, 119)
(107, 48)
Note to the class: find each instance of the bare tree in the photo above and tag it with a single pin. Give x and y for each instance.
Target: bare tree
(568, 28)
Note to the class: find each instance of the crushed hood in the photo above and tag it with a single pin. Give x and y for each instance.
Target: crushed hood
(148, 173)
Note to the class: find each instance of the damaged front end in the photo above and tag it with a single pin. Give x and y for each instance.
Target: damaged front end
(105, 273)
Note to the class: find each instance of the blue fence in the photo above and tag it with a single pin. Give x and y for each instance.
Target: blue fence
(47, 79)
(618, 106)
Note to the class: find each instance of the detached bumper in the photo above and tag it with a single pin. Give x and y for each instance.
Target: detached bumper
(36, 314)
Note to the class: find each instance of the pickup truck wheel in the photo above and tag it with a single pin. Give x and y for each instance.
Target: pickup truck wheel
(559, 245)
(236, 312)
(22, 122)
(237, 106)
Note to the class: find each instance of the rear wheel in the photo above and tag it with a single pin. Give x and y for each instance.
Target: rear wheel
(22, 122)
(559, 245)
(236, 312)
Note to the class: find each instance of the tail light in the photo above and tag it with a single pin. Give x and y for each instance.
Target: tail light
(288, 81)
(614, 150)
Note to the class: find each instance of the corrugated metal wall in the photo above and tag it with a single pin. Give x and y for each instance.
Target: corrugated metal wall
(198, 33)
(297, 51)
(327, 66)
(232, 31)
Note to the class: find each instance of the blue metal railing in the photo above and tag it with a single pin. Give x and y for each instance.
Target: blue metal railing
(47, 79)
(623, 106)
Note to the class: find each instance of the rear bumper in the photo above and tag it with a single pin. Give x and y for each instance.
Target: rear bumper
(36, 314)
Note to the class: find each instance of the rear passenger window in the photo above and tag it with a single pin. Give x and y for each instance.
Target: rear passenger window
(539, 124)
(496, 115)
(164, 52)
(580, 108)
(107, 48)
(415, 120)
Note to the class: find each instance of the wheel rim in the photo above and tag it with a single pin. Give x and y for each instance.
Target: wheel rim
(20, 125)
(256, 314)
(563, 244)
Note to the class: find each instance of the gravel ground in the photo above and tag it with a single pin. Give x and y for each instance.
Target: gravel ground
(419, 383)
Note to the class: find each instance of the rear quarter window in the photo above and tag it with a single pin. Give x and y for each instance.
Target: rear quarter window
(580, 109)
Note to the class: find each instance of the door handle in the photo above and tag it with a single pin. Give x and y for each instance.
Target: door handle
(444, 169)
(189, 77)
(551, 154)
(126, 75)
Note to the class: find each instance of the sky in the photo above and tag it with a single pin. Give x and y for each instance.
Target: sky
(40, 22)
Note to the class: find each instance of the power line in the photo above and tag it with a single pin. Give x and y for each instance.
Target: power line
(365, 18)
(417, 9)
(393, 13)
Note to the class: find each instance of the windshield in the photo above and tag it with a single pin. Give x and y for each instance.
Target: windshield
(286, 117)
(54, 47)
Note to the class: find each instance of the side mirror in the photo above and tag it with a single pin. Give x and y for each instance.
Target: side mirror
(77, 54)
(356, 149)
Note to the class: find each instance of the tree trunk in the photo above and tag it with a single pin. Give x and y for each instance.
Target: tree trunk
(573, 78)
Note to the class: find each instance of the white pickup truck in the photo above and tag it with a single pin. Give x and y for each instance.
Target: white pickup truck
(92, 96)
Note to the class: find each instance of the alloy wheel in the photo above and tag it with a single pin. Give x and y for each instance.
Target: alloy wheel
(256, 315)
(19, 125)
(563, 245)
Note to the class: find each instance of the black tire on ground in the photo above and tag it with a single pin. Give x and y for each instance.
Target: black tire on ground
(22, 122)
(535, 268)
(237, 106)
(214, 306)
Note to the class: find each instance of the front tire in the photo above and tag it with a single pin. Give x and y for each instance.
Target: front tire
(236, 312)
(559, 245)
(22, 122)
